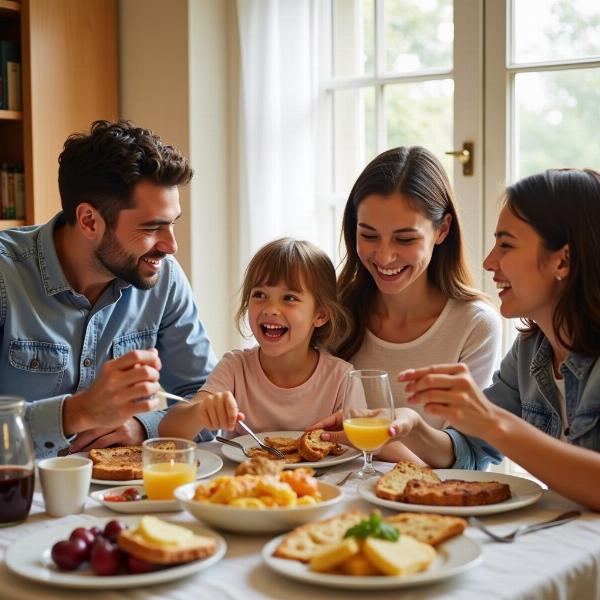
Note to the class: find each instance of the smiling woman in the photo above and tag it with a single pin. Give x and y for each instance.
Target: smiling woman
(404, 278)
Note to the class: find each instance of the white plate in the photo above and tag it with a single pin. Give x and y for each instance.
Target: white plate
(453, 557)
(257, 521)
(523, 493)
(248, 442)
(134, 506)
(210, 464)
(30, 558)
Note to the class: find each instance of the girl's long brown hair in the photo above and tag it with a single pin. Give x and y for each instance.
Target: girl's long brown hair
(415, 173)
(563, 207)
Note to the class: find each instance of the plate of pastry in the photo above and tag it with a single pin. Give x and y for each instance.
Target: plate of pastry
(356, 551)
(301, 449)
(414, 488)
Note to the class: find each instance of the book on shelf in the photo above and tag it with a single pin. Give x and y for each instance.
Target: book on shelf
(10, 75)
(12, 191)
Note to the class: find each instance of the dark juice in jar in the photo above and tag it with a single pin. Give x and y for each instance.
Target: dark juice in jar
(16, 493)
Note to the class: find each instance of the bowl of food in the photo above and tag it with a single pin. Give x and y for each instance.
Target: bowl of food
(259, 504)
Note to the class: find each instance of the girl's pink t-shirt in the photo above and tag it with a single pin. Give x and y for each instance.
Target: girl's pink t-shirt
(268, 407)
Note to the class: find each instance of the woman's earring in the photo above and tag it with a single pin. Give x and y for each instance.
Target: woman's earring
(558, 278)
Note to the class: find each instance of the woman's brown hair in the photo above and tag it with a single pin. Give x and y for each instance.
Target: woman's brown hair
(563, 207)
(415, 173)
(301, 265)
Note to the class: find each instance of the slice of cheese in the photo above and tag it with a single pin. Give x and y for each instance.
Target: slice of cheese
(334, 554)
(163, 534)
(403, 557)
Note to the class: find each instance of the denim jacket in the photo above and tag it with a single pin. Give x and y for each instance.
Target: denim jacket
(53, 342)
(524, 385)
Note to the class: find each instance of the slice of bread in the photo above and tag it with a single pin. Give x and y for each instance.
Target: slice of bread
(427, 528)
(455, 492)
(120, 463)
(402, 557)
(289, 458)
(312, 448)
(306, 541)
(284, 444)
(259, 465)
(391, 485)
(162, 543)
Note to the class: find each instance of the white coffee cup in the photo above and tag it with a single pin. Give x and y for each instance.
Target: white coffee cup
(65, 484)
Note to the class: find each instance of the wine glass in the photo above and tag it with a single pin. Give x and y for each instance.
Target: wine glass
(368, 430)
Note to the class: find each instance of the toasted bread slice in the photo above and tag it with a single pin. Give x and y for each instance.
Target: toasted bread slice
(306, 541)
(180, 544)
(120, 463)
(312, 447)
(454, 492)
(427, 528)
(289, 458)
(391, 485)
(285, 444)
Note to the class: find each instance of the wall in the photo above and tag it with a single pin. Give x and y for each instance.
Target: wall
(174, 78)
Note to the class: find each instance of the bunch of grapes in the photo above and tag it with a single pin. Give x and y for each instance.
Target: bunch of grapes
(100, 548)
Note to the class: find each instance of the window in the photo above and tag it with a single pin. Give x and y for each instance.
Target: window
(387, 80)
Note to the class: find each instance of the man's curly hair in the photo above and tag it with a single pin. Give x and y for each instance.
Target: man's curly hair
(103, 166)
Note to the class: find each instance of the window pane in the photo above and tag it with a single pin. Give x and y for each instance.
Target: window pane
(353, 37)
(564, 29)
(556, 121)
(353, 135)
(421, 114)
(418, 34)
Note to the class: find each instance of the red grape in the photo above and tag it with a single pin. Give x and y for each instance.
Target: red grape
(112, 530)
(105, 557)
(138, 565)
(69, 554)
(95, 531)
(86, 536)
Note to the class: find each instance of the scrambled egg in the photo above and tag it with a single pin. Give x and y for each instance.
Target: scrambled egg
(287, 489)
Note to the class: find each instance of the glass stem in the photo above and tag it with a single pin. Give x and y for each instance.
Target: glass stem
(368, 466)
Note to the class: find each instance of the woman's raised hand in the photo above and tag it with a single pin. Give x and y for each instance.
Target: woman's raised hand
(449, 391)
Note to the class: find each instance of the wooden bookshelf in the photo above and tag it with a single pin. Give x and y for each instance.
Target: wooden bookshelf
(69, 75)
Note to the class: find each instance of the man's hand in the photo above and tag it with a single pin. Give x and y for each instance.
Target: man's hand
(131, 433)
(124, 387)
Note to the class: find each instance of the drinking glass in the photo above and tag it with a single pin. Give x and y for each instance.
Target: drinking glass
(368, 430)
(167, 464)
(17, 462)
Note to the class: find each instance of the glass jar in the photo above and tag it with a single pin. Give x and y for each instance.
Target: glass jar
(17, 462)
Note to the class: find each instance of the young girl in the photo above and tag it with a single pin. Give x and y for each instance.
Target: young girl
(289, 380)
(543, 410)
(405, 280)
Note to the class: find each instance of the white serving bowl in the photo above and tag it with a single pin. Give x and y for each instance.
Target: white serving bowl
(252, 520)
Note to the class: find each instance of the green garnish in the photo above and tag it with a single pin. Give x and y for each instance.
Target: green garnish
(373, 527)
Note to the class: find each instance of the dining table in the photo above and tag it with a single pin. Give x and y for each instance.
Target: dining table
(557, 563)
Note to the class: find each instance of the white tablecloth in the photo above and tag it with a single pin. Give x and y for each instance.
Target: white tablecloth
(563, 562)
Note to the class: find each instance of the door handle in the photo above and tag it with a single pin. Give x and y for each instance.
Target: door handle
(465, 157)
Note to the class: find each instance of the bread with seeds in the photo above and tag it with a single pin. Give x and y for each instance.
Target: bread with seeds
(391, 485)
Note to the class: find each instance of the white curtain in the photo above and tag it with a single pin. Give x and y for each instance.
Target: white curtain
(277, 121)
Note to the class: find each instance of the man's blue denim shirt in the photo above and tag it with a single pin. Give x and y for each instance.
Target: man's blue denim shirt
(53, 342)
(524, 385)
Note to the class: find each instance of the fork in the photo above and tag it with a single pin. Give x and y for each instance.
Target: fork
(264, 446)
(234, 444)
(523, 529)
(344, 479)
(164, 395)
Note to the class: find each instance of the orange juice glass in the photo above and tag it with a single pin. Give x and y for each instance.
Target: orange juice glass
(367, 433)
(167, 464)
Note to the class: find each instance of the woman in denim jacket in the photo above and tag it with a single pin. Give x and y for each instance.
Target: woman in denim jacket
(543, 409)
